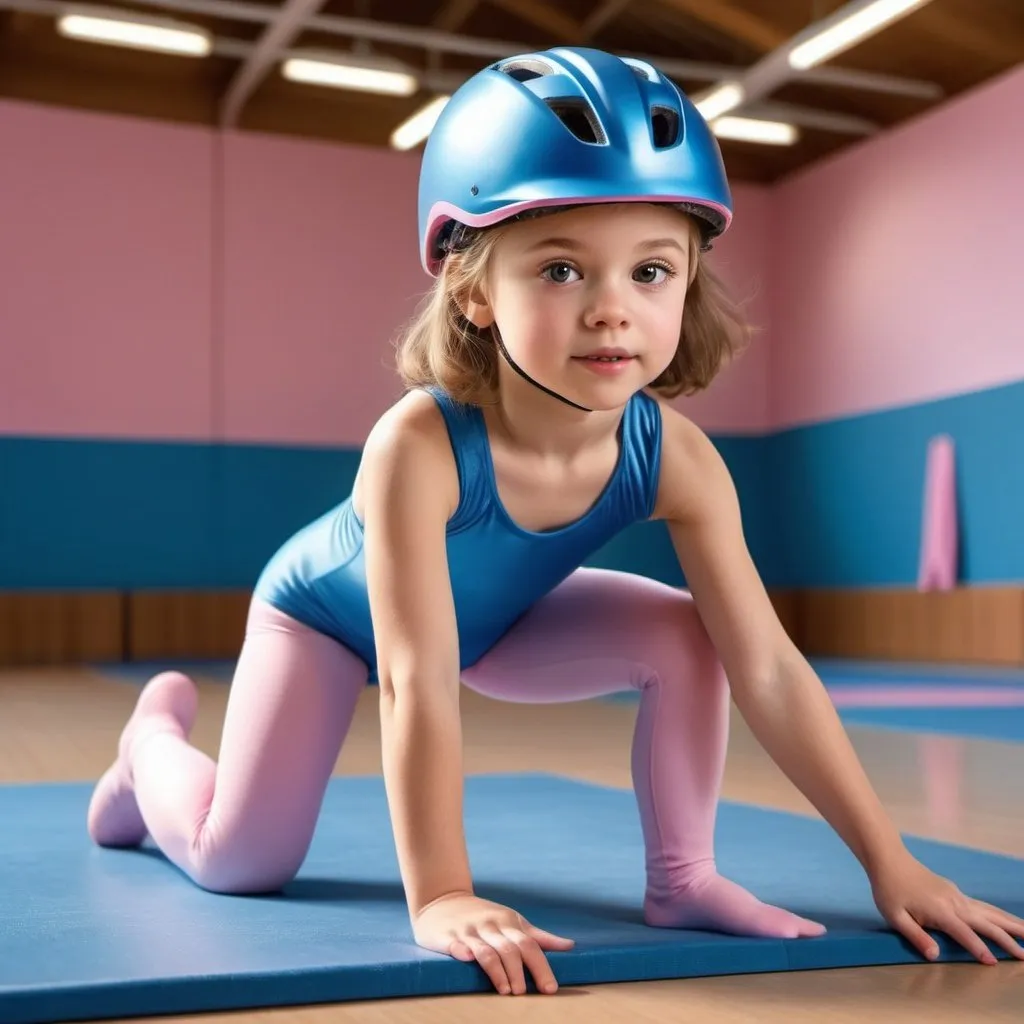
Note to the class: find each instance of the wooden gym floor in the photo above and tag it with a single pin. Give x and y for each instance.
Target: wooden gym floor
(63, 724)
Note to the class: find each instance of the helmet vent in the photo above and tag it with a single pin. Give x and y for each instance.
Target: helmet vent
(639, 72)
(665, 127)
(524, 70)
(579, 118)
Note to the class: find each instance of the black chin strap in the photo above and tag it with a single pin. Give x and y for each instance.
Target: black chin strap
(522, 373)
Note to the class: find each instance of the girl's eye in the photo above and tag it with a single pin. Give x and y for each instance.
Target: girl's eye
(648, 273)
(559, 272)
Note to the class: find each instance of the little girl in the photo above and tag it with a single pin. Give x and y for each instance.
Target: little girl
(567, 199)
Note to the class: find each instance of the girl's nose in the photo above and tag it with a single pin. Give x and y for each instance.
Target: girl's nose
(606, 309)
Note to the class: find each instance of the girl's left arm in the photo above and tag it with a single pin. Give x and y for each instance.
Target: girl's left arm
(787, 707)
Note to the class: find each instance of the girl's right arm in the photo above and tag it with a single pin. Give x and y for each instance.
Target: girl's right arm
(408, 489)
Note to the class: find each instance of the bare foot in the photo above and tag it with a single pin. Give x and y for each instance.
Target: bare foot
(167, 703)
(712, 903)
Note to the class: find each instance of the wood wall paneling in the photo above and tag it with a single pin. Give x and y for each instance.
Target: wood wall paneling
(186, 623)
(979, 624)
(61, 627)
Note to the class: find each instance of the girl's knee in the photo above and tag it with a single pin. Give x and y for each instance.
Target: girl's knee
(677, 618)
(241, 877)
(679, 637)
(239, 865)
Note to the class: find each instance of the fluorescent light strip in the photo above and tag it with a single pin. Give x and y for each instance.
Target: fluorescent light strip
(724, 98)
(749, 129)
(849, 31)
(339, 75)
(137, 35)
(416, 128)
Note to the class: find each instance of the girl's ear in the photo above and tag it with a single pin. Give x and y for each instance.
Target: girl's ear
(475, 307)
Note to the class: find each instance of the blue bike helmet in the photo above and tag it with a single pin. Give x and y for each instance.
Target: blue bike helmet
(563, 127)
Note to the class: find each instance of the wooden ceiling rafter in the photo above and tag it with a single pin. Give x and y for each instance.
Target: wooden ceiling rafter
(601, 17)
(453, 14)
(737, 24)
(547, 18)
(908, 68)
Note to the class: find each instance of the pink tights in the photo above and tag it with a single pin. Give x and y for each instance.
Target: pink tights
(244, 824)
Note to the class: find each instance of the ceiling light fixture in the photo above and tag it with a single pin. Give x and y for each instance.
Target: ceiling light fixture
(352, 71)
(751, 129)
(849, 30)
(136, 32)
(414, 129)
(726, 97)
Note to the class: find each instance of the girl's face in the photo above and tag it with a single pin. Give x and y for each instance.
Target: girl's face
(589, 302)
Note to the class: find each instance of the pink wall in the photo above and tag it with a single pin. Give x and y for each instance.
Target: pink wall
(899, 276)
(738, 400)
(321, 270)
(886, 275)
(161, 282)
(105, 265)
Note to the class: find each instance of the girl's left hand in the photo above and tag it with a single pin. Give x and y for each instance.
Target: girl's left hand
(912, 898)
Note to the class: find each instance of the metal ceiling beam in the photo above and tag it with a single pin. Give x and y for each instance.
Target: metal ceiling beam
(288, 23)
(738, 24)
(454, 14)
(763, 77)
(808, 117)
(448, 42)
(601, 16)
(449, 81)
(545, 17)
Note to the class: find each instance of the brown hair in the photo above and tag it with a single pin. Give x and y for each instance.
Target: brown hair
(442, 348)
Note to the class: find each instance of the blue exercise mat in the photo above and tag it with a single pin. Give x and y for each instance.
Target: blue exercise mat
(87, 933)
(853, 670)
(1005, 725)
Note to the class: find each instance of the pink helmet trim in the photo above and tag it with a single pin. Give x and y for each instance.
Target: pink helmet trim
(441, 212)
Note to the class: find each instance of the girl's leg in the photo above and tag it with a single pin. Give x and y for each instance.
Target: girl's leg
(243, 824)
(602, 631)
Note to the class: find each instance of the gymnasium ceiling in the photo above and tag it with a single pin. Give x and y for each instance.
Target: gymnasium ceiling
(908, 67)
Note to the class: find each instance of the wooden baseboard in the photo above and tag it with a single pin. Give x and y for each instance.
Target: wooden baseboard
(185, 623)
(787, 607)
(61, 627)
(977, 624)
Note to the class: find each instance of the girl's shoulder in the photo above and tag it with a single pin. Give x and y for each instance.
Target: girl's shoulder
(408, 447)
(414, 419)
(694, 477)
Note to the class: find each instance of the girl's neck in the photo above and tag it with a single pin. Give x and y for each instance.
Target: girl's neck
(532, 420)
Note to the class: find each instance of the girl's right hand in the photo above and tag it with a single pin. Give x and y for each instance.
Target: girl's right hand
(500, 940)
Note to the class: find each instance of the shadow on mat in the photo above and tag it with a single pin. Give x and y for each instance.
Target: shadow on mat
(531, 901)
(524, 899)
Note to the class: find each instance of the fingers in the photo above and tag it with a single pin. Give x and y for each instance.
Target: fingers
(1009, 923)
(915, 935)
(520, 953)
(953, 926)
(1001, 937)
(507, 954)
(534, 959)
(511, 958)
(960, 930)
(982, 920)
(460, 950)
(492, 963)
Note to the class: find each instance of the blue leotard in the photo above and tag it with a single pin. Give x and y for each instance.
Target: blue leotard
(497, 569)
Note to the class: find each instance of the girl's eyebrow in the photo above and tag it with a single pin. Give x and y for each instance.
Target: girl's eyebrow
(662, 243)
(559, 243)
(573, 245)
